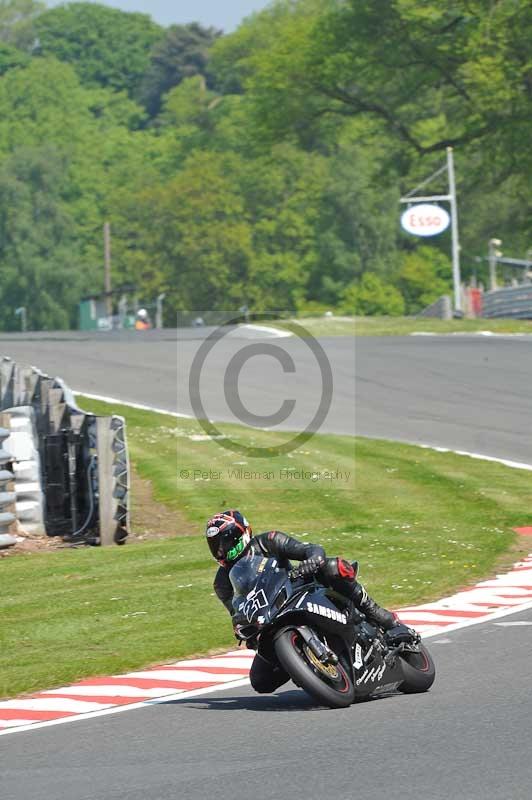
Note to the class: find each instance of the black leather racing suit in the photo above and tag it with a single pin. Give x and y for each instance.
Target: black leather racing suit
(264, 676)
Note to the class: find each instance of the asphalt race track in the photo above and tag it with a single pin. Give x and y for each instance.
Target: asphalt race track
(154, 369)
(468, 738)
(466, 393)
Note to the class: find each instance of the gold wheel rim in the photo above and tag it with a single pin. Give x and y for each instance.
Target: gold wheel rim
(326, 669)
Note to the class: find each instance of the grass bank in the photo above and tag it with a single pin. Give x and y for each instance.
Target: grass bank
(401, 326)
(422, 524)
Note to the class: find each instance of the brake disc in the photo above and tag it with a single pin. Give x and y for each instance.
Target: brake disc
(329, 670)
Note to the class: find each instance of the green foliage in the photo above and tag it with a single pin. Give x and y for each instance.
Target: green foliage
(425, 75)
(263, 167)
(38, 258)
(311, 308)
(11, 57)
(106, 47)
(182, 53)
(42, 103)
(16, 21)
(373, 296)
(424, 277)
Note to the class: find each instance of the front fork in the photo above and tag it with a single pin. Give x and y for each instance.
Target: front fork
(323, 653)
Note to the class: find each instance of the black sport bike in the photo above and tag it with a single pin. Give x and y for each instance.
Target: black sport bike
(324, 643)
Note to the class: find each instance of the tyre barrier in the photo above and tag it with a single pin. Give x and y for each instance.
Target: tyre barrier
(70, 469)
(7, 491)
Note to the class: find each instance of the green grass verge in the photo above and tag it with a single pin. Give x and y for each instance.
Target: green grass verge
(317, 326)
(401, 326)
(422, 524)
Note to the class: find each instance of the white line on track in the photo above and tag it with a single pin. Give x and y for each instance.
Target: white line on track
(505, 461)
(128, 404)
(275, 333)
(142, 407)
(129, 707)
(491, 334)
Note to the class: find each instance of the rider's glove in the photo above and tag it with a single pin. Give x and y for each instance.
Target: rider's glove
(239, 621)
(310, 566)
(237, 629)
(244, 633)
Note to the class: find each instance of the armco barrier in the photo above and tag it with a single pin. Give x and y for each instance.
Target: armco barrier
(515, 301)
(441, 309)
(71, 468)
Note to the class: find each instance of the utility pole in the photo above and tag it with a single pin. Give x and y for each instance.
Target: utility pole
(107, 267)
(493, 255)
(457, 281)
(159, 311)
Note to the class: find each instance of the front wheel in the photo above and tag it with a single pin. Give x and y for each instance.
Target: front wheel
(329, 684)
(418, 671)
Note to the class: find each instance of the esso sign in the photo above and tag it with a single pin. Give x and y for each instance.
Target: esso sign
(425, 220)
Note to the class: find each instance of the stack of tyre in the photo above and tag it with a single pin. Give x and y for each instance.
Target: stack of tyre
(7, 494)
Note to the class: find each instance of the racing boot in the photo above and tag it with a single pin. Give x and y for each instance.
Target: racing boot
(375, 613)
(396, 632)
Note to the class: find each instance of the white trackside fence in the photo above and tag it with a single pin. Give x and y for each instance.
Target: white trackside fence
(63, 472)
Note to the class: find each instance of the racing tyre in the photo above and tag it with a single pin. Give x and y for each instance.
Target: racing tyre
(329, 684)
(418, 671)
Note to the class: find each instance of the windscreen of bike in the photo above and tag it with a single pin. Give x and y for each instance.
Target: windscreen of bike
(256, 582)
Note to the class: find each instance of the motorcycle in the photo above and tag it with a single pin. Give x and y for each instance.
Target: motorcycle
(322, 641)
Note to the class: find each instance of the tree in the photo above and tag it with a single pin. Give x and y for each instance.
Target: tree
(421, 76)
(39, 266)
(16, 21)
(106, 47)
(271, 174)
(41, 103)
(357, 227)
(11, 57)
(434, 75)
(182, 53)
(236, 58)
(191, 237)
(373, 296)
(424, 277)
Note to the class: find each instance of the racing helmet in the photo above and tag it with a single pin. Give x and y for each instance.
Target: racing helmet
(228, 535)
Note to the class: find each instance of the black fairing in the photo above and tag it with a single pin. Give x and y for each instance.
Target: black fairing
(272, 602)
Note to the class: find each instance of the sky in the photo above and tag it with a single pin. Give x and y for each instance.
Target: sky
(223, 14)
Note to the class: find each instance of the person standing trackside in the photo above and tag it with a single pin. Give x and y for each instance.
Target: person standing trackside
(142, 321)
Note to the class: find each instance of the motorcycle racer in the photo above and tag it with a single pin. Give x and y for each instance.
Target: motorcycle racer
(230, 538)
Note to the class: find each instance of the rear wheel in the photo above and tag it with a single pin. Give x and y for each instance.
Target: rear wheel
(419, 671)
(330, 684)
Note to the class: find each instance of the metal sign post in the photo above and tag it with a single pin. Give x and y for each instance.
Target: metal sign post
(495, 257)
(450, 197)
(492, 258)
(21, 312)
